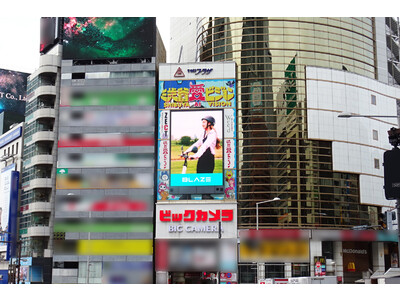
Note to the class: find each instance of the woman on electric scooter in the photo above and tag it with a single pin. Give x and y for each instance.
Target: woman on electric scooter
(206, 147)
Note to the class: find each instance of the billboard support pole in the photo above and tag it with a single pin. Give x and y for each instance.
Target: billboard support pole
(19, 260)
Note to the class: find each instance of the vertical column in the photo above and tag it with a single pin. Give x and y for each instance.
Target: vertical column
(338, 258)
(315, 250)
(161, 277)
(378, 256)
(288, 270)
(260, 271)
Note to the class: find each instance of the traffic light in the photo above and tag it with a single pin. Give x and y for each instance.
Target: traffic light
(391, 163)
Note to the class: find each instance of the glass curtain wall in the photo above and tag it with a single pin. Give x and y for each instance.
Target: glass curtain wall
(275, 156)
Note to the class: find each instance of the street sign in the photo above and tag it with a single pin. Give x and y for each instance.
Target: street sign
(62, 171)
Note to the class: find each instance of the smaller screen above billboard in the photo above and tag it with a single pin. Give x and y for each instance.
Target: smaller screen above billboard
(50, 31)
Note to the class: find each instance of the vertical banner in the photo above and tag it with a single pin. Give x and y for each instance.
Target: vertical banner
(8, 209)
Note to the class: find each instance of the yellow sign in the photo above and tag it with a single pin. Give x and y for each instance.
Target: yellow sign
(115, 247)
(274, 251)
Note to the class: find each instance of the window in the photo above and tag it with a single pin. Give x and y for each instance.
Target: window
(16, 148)
(373, 99)
(274, 270)
(78, 75)
(12, 149)
(97, 75)
(248, 273)
(300, 270)
(375, 134)
(376, 163)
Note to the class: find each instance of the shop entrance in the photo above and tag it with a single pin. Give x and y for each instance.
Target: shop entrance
(192, 277)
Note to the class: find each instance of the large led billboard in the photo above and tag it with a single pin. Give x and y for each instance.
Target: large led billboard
(197, 131)
(12, 87)
(106, 38)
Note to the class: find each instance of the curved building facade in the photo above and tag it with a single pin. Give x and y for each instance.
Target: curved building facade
(278, 155)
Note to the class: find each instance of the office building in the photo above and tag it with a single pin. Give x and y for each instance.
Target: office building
(88, 179)
(294, 77)
(11, 144)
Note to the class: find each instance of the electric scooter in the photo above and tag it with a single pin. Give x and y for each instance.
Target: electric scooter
(186, 156)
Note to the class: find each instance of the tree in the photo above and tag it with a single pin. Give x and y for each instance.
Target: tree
(185, 141)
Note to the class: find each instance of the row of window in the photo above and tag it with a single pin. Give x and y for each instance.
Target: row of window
(106, 75)
(11, 149)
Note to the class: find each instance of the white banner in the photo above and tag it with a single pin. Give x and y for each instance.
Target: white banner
(229, 153)
(229, 123)
(163, 155)
(193, 221)
(164, 127)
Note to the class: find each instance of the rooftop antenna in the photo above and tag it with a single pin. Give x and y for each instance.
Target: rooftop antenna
(180, 54)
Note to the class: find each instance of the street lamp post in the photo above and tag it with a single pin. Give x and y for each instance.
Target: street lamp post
(260, 266)
(258, 203)
(349, 115)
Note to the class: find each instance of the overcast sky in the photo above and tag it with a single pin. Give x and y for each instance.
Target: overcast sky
(19, 19)
(19, 42)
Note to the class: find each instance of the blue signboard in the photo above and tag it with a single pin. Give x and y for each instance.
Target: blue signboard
(9, 137)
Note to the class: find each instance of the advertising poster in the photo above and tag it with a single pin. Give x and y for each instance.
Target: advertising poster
(102, 38)
(319, 265)
(5, 197)
(197, 121)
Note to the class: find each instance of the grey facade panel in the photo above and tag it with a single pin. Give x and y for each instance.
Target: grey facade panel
(148, 81)
(139, 235)
(66, 63)
(96, 68)
(64, 279)
(148, 258)
(115, 235)
(66, 82)
(74, 69)
(61, 258)
(72, 235)
(143, 67)
(144, 214)
(118, 81)
(115, 214)
(110, 258)
(119, 68)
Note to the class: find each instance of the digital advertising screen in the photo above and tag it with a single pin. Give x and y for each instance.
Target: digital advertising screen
(12, 87)
(50, 31)
(189, 134)
(197, 132)
(104, 38)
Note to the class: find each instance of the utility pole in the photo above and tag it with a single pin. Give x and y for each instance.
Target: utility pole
(12, 270)
(219, 250)
(19, 259)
